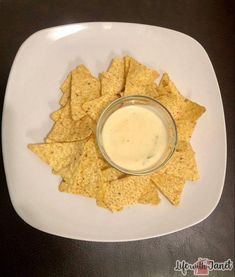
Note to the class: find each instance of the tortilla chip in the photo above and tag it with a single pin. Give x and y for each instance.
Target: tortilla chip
(183, 163)
(179, 106)
(174, 105)
(58, 155)
(95, 107)
(185, 129)
(56, 115)
(167, 87)
(124, 192)
(171, 186)
(87, 177)
(112, 81)
(100, 196)
(84, 87)
(66, 129)
(149, 195)
(127, 60)
(111, 174)
(102, 164)
(140, 79)
(192, 110)
(66, 88)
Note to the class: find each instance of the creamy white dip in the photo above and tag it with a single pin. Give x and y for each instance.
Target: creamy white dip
(134, 137)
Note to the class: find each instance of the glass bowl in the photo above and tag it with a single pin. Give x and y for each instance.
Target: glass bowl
(160, 111)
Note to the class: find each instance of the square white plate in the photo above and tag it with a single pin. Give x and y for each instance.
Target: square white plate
(41, 64)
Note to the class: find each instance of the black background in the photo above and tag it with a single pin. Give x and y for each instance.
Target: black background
(28, 252)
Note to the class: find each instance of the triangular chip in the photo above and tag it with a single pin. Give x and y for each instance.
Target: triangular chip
(112, 81)
(183, 163)
(67, 129)
(171, 186)
(111, 174)
(192, 111)
(84, 87)
(56, 115)
(167, 87)
(127, 60)
(179, 106)
(87, 178)
(175, 105)
(140, 79)
(124, 192)
(65, 88)
(149, 195)
(185, 129)
(58, 155)
(102, 164)
(95, 107)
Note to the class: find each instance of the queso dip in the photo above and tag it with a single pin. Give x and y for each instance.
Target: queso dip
(134, 137)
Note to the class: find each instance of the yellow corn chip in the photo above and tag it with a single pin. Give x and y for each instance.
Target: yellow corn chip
(112, 81)
(65, 88)
(95, 107)
(87, 178)
(66, 129)
(102, 164)
(192, 110)
(171, 186)
(111, 174)
(167, 87)
(140, 79)
(179, 106)
(183, 163)
(84, 87)
(58, 155)
(175, 105)
(127, 60)
(149, 195)
(124, 192)
(56, 115)
(185, 129)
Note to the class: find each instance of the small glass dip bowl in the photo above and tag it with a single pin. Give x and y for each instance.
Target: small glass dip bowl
(160, 111)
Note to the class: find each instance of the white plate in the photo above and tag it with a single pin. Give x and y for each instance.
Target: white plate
(41, 65)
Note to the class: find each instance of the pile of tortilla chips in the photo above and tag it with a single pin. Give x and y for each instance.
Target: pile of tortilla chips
(71, 150)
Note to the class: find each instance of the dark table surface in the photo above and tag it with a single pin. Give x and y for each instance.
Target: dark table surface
(26, 251)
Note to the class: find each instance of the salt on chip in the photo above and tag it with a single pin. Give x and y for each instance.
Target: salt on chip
(149, 195)
(124, 192)
(87, 178)
(183, 163)
(65, 88)
(139, 77)
(67, 129)
(111, 174)
(95, 107)
(84, 87)
(58, 155)
(171, 186)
